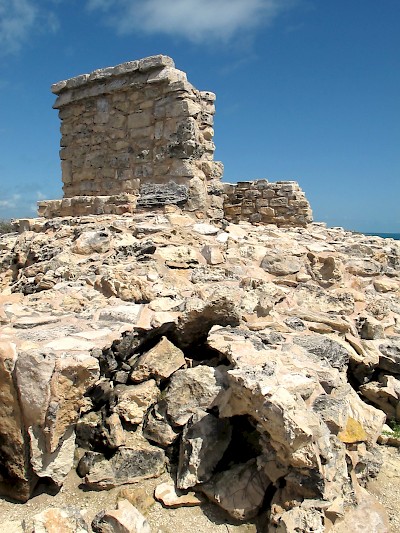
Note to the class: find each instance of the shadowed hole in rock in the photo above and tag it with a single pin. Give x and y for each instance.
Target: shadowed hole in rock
(244, 444)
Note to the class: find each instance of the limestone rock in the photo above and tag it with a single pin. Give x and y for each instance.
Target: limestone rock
(240, 490)
(92, 241)
(281, 265)
(54, 465)
(203, 443)
(325, 349)
(167, 494)
(16, 478)
(133, 401)
(159, 362)
(191, 389)
(57, 520)
(125, 519)
(127, 465)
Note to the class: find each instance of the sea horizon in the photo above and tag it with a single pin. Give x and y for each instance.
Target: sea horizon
(395, 236)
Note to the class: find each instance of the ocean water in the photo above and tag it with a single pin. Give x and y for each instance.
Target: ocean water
(395, 236)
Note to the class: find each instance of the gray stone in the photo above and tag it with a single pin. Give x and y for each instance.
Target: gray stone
(240, 490)
(128, 465)
(325, 349)
(204, 441)
(124, 519)
(389, 358)
(193, 388)
(281, 265)
(154, 194)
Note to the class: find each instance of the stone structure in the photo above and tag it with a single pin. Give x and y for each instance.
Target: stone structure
(139, 136)
(282, 203)
(129, 126)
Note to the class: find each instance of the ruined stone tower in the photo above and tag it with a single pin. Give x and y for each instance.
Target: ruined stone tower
(139, 128)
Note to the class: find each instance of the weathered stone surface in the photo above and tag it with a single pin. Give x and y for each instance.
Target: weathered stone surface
(54, 465)
(125, 519)
(128, 465)
(153, 195)
(159, 362)
(389, 356)
(57, 520)
(191, 389)
(325, 349)
(290, 403)
(133, 401)
(240, 490)
(92, 241)
(281, 265)
(72, 377)
(203, 443)
(16, 479)
(167, 494)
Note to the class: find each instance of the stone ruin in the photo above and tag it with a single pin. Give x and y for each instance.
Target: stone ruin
(140, 136)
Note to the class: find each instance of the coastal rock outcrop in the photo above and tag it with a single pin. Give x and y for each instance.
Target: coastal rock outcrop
(277, 381)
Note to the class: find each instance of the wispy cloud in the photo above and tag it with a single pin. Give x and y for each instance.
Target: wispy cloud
(197, 21)
(11, 202)
(19, 19)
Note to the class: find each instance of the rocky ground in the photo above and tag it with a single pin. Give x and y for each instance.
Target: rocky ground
(257, 364)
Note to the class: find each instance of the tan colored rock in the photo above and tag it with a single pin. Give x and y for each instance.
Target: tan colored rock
(125, 519)
(57, 520)
(167, 494)
(158, 363)
(134, 401)
(71, 379)
(16, 479)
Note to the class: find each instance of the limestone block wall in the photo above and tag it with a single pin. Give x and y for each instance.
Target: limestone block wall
(137, 123)
(282, 203)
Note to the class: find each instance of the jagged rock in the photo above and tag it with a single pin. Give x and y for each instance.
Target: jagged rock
(385, 394)
(92, 241)
(240, 490)
(57, 519)
(127, 465)
(213, 255)
(369, 515)
(138, 497)
(326, 269)
(125, 519)
(193, 388)
(53, 465)
(16, 477)
(203, 443)
(134, 400)
(325, 349)
(200, 316)
(159, 362)
(389, 356)
(72, 377)
(363, 267)
(156, 427)
(167, 494)
(281, 265)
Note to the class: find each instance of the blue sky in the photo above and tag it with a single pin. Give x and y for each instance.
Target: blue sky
(306, 90)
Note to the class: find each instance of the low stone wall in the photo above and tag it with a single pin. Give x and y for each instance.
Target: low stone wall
(282, 203)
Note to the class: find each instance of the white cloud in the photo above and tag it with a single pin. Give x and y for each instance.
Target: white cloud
(10, 203)
(196, 20)
(18, 19)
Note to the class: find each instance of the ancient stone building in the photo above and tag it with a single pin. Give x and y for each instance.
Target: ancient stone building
(139, 128)
(140, 136)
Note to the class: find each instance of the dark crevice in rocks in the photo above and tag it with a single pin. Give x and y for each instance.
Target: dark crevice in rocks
(244, 444)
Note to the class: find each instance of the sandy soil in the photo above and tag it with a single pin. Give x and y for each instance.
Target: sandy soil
(206, 518)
